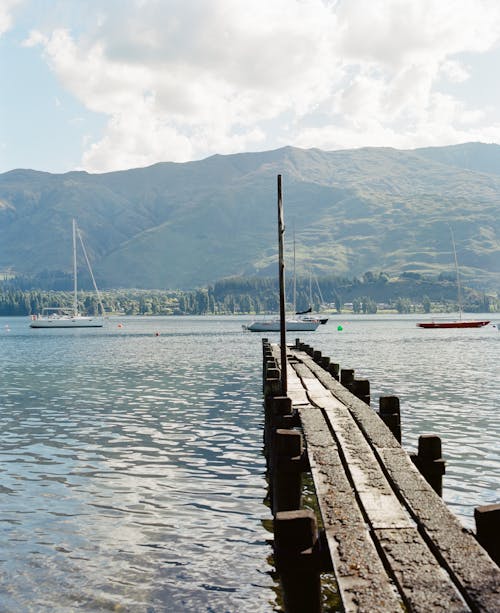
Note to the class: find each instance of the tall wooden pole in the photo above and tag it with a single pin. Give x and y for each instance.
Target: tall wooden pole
(281, 232)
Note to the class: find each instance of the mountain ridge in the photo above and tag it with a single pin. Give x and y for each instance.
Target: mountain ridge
(188, 224)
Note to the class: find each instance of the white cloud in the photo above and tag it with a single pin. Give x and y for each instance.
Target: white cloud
(180, 79)
(6, 9)
(454, 71)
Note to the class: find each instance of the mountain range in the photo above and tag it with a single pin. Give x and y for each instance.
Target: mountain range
(184, 225)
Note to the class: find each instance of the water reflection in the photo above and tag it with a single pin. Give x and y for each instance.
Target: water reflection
(132, 474)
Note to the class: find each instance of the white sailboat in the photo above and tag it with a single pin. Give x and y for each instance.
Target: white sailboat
(292, 324)
(61, 317)
(306, 315)
(273, 325)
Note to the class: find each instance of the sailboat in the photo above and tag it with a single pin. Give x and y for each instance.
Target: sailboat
(460, 323)
(61, 317)
(292, 324)
(307, 314)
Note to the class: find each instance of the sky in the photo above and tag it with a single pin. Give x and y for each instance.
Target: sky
(103, 85)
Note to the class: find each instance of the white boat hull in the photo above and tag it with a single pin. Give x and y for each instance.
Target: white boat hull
(67, 322)
(273, 325)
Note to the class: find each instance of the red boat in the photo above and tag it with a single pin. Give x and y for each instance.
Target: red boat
(453, 324)
(458, 323)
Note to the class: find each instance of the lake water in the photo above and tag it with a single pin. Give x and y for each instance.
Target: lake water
(131, 472)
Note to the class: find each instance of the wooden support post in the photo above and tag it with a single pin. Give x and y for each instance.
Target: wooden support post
(297, 343)
(361, 389)
(325, 362)
(272, 383)
(277, 410)
(488, 529)
(286, 470)
(267, 354)
(317, 356)
(282, 294)
(267, 357)
(273, 373)
(429, 461)
(390, 414)
(347, 377)
(334, 370)
(269, 364)
(295, 552)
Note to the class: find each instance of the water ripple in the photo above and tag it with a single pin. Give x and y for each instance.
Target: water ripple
(131, 471)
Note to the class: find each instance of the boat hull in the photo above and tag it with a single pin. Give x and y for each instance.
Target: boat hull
(453, 324)
(291, 326)
(322, 320)
(70, 322)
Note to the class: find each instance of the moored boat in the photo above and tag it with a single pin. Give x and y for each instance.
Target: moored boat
(62, 317)
(461, 323)
(291, 325)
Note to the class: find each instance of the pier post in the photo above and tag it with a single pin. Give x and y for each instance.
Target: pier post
(389, 412)
(334, 370)
(272, 382)
(286, 470)
(295, 547)
(361, 389)
(347, 377)
(269, 362)
(429, 461)
(277, 411)
(488, 529)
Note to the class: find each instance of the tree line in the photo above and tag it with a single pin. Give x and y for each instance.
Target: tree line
(255, 295)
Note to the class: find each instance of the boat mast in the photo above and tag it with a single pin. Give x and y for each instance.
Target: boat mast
(294, 275)
(75, 297)
(281, 276)
(459, 287)
(310, 289)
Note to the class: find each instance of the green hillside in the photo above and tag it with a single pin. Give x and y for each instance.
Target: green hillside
(185, 225)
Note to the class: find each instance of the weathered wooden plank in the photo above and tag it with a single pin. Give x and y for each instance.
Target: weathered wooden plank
(392, 527)
(382, 508)
(367, 419)
(467, 562)
(303, 371)
(477, 576)
(424, 584)
(380, 504)
(362, 580)
(296, 390)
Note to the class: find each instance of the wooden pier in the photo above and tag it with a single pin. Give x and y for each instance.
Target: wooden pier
(379, 523)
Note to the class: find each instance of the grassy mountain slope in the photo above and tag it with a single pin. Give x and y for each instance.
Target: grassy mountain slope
(183, 225)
